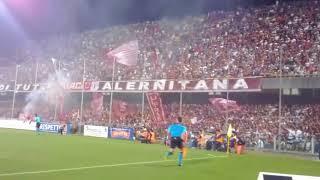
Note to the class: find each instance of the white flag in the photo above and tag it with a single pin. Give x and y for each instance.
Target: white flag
(126, 54)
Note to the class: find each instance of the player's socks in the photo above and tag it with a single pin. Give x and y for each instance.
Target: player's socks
(169, 153)
(180, 155)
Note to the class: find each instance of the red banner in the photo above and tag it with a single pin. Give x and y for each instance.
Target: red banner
(155, 104)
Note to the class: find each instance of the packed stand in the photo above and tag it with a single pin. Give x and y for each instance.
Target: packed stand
(258, 125)
(245, 42)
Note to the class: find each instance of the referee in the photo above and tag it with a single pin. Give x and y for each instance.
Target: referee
(177, 134)
(37, 119)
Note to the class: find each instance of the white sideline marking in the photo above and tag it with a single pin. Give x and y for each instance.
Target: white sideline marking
(215, 156)
(102, 166)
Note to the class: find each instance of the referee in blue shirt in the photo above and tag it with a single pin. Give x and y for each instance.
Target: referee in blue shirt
(177, 134)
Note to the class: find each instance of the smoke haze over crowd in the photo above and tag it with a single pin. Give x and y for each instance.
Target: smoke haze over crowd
(21, 21)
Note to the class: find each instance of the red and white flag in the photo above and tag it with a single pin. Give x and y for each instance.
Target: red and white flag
(222, 104)
(126, 54)
(156, 107)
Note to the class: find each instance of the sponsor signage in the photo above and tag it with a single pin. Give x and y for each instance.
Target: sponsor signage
(95, 131)
(53, 128)
(162, 85)
(121, 133)
(17, 124)
(31, 125)
(277, 176)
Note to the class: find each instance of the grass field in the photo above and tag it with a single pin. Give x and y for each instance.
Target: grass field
(26, 156)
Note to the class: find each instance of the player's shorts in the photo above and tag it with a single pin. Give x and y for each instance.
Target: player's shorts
(176, 142)
(38, 125)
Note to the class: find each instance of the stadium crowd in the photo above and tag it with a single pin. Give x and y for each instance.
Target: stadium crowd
(256, 124)
(243, 42)
(250, 121)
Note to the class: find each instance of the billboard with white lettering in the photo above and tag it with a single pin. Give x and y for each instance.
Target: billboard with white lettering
(95, 131)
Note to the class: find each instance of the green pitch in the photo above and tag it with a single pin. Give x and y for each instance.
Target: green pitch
(27, 156)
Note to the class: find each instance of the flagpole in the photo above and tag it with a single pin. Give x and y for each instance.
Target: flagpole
(14, 90)
(280, 98)
(228, 147)
(180, 105)
(56, 103)
(82, 91)
(228, 80)
(227, 113)
(142, 108)
(111, 93)
(55, 109)
(229, 134)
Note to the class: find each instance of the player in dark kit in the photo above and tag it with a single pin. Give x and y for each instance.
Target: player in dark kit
(177, 134)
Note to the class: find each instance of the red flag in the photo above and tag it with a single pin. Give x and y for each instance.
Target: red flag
(156, 107)
(126, 54)
(224, 105)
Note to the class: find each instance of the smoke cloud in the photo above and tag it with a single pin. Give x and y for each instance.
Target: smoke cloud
(48, 95)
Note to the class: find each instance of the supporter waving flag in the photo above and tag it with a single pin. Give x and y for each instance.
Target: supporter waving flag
(224, 104)
(126, 54)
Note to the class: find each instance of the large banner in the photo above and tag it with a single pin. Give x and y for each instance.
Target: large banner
(162, 85)
(155, 104)
(121, 133)
(95, 131)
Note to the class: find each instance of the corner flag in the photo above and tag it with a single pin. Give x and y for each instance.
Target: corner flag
(229, 133)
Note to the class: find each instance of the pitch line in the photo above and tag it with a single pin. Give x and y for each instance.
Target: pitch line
(101, 166)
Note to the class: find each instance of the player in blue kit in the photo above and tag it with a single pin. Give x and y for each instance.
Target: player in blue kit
(177, 134)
